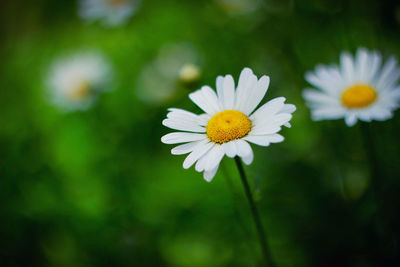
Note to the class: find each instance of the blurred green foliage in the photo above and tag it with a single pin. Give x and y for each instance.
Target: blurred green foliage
(97, 188)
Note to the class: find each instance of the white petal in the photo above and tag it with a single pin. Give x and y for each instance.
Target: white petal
(243, 148)
(288, 108)
(347, 67)
(203, 119)
(271, 124)
(328, 112)
(350, 119)
(279, 119)
(185, 148)
(276, 138)
(314, 97)
(365, 115)
(374, 64)
(268, 109)
(249, 158)
(264, 140)
(244, 77)
(181, 137)
(390, 81)
(228, 99)
(216, 155)
(183, 126)
(184, 116)
(209, 175)
(206, 99)
(197, 153)
(261, 140)
(211, 97)
(246, 80)
(220, 87)
(361, 64)
(266, 129)
(202, 162)
(387, 70)
(328, 79)
(230, 149)
(394, 95)
(256, 94)
(389, 99)
(180, 114)
(211, 159)
(381, 114)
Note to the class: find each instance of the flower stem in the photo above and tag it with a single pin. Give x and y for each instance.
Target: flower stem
(256, 215)
(377, 179)
(235, 200)
(370, 150)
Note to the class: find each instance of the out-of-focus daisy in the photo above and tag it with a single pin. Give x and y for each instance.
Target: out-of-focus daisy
(111, 12)
(176, 64)
(360, 89)
(74, 81)
(228, 124)
(189, 73)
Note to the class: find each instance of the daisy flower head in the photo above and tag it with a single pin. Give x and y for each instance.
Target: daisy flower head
(74, 81)
(111, 13)
(229, 124)
(362, 89)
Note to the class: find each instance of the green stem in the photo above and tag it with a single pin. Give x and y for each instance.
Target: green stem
(377, 180)
(235, 200)
(256, 215)
(370, 150)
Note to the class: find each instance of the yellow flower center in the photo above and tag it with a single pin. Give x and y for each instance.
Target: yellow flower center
(80, 92)
(228, 125)
(358, 96)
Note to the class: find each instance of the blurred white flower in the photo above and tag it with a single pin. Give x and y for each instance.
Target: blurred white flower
(173, 57)
(189, 73)
(175, 63)
(360, 89)
(228, 123)
(74, 81)
(111, 13)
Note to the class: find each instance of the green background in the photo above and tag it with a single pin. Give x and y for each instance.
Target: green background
(98, 188)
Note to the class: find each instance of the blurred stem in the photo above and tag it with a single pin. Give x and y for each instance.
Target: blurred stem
(376, 179)
(256, 215)
(334, 149)
(235, 200)
(370, 150)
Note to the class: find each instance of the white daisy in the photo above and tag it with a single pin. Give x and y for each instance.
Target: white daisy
(74, 82)
(360, 89)
(228, 124)
(111, 12)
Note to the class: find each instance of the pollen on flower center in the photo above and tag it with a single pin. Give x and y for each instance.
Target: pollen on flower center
(228, 125)
(80, 92)
(358, 96)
